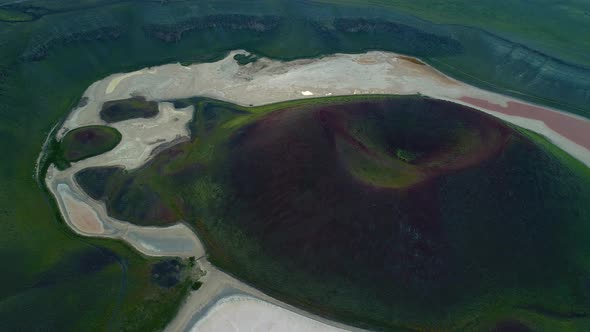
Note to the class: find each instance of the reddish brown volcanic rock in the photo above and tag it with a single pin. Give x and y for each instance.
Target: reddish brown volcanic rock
(288, 173)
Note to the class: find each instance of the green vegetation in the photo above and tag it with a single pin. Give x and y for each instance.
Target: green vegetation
(552, 149)
(191, 261)
(272, 29)
(35, 243)
(407, 155)
(8, 15)
(89, 141)
(196, 285)
(157, 304)
(168, 273)
(553, 26)
(54, 154)
(132, 108)
(111, 273)
(213, 123)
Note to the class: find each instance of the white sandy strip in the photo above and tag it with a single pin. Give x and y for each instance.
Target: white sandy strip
(116, 80)
(242, 313)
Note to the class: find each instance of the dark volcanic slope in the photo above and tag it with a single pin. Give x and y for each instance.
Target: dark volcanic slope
(386, 213)
(402, 209)
(292, 178)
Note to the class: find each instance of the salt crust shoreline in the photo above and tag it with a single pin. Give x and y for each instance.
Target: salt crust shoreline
(262, 82)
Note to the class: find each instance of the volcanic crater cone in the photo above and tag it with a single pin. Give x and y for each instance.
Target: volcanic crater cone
(397, 209)
(360, 181)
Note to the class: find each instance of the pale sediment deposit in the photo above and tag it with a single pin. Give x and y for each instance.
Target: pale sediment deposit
(89, 217)
(245, 313)
(261, 82)
(201, 310)
(140, 137)
(86, 218)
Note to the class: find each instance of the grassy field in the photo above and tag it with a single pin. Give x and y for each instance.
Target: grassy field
(47, 63)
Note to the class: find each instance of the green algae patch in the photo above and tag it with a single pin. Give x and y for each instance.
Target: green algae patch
(89, 141)
(125, 109)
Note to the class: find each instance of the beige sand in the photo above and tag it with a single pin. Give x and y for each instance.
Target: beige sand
(116, 79)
